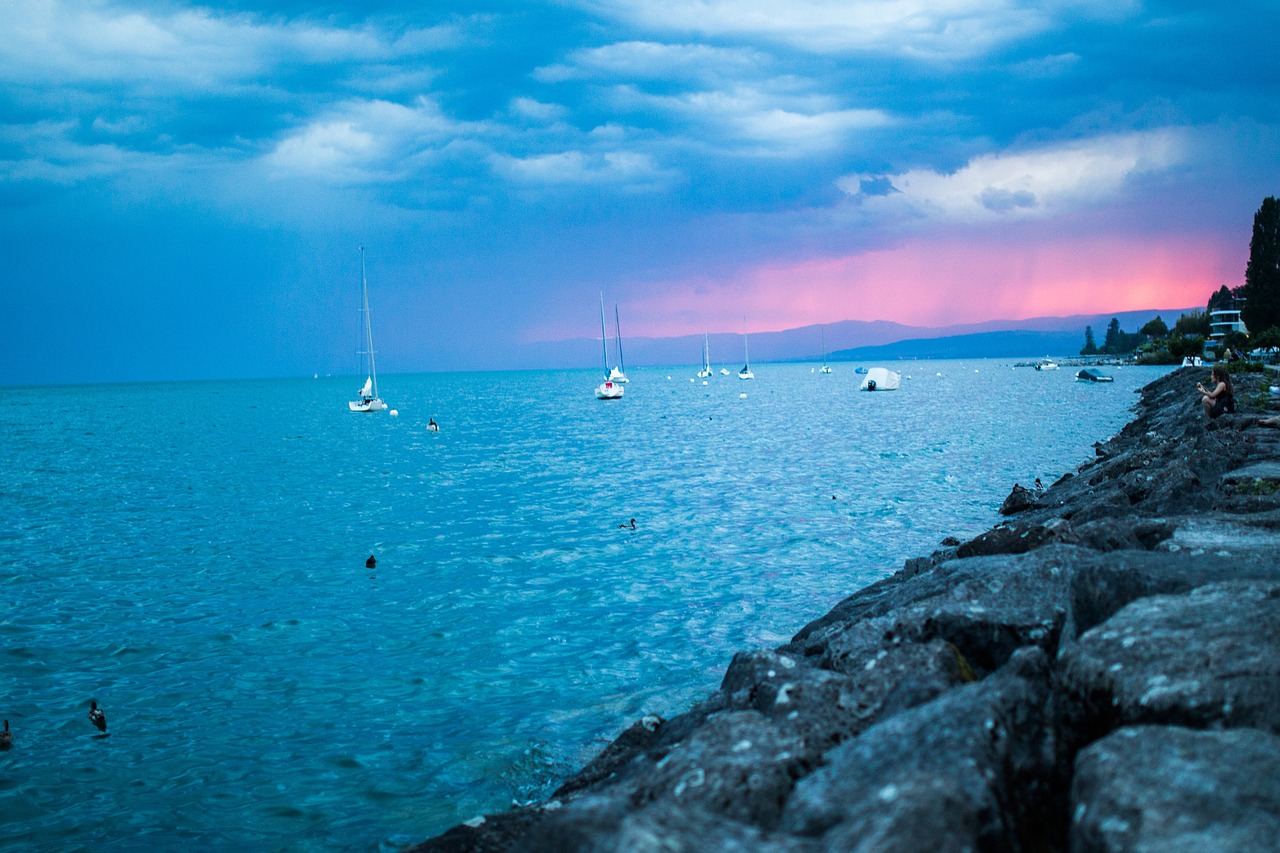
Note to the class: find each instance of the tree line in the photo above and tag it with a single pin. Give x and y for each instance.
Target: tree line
(1156, 343)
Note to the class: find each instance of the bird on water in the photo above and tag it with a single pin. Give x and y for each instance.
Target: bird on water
(6, 737)
(371, 563)
(96, 716)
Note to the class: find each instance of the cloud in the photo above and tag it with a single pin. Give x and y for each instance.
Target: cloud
(366, 141)
(756, 122)
(626, 170)
(649, 60)
(1022, 184)
(923, 29)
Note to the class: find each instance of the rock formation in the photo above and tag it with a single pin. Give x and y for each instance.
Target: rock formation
(1099, 672)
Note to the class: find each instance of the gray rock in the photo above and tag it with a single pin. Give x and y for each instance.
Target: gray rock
(964, 772)
(1157, 788)
(1020, 499)
(1207, 658)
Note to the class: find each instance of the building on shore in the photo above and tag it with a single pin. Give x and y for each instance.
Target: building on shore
(1226, 318)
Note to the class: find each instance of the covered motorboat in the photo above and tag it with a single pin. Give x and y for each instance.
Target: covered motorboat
(1092, 374)
(880, 379)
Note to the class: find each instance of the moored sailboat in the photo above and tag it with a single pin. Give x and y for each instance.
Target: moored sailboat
(368, 400)
(705, 372)
(745, 372)
(607, 390)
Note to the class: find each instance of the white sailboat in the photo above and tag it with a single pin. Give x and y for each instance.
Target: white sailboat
(705, 372)
(368, 401)
(826, 368)
(745, 372)
(618, 373)
(607, 390)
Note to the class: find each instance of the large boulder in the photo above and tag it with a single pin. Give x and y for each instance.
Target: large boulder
(1207, 658)
(1164, 788)
(967, 771)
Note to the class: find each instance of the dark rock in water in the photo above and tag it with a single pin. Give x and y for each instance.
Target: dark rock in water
(1172, 788)
(1099, 672)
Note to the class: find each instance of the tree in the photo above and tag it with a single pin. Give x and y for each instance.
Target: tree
(1090, 348)
(1181, 347)
(1262, 275)
(1155, 329)
(1223, 300)
(1192, 323)
(1112, 340)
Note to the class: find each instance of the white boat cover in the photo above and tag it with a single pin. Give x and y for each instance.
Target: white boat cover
(884, 379)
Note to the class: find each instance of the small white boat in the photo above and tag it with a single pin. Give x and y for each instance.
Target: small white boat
(607, 390)
(724, 371)
(1046, 365)
(1193, 361)
(745, 372)
(880, 379)
(368, 401)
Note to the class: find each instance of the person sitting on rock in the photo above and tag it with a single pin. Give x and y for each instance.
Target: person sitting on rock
(1222, 399)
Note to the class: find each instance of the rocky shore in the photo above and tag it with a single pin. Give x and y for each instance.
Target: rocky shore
(1100, 672)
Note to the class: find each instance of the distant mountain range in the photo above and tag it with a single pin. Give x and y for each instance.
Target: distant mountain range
(852, 340)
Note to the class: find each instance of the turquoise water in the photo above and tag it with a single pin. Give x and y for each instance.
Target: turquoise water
(192, 556)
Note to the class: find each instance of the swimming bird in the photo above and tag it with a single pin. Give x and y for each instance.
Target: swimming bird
(631, 526)
(371, 563)
(6, 737)
(96, 716)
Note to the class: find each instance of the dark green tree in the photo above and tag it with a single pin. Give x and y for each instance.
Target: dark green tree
(1182, 346)
(1112, 340)
(1192, 323)
(1155, 329)
(1262, 275)
(1222, 299)
(1090, 348)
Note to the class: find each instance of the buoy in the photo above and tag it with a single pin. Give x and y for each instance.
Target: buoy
(742, 396)
(395, 413)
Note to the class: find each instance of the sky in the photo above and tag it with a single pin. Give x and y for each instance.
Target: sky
(185, 189)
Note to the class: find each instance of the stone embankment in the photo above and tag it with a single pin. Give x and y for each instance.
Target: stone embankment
(1100, 672)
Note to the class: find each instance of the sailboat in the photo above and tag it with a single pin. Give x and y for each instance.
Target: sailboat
(619, 373)
(607, 390)
(705, 372)
(745, 372)
(826, 368)
(369, 400)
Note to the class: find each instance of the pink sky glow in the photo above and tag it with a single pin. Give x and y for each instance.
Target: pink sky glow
(946, 283)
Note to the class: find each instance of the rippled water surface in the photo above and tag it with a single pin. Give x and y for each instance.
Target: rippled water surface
(192, 556)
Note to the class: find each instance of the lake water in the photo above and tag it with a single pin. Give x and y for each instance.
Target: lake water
(192, 556)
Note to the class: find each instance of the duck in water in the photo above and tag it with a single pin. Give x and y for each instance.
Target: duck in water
(631, 526)
(371, 563)
(6, 737)
(96, 716)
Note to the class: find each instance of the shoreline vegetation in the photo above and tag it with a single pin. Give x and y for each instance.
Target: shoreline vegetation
(1098, 672)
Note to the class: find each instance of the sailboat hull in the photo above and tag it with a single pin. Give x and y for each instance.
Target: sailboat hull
(374, 405)
(609, 391)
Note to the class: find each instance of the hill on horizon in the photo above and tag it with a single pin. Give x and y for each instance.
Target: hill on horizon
(852, 339)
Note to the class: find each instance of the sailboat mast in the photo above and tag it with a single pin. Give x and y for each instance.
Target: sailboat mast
(745, 354)
(617, 325)
(368, 323)
(604, 337)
